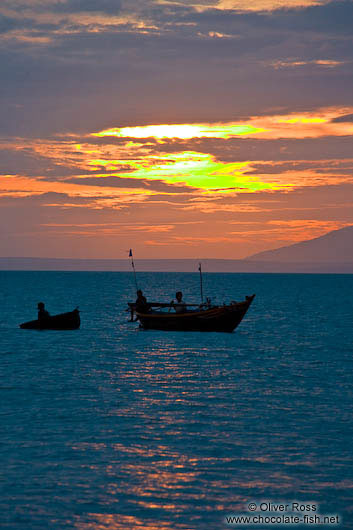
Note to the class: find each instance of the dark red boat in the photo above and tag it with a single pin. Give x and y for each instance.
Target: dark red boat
(205, 318)
(64, 321)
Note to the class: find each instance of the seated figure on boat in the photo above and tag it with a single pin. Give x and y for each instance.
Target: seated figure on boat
(141, 304)
(42, 312)
(179, 306)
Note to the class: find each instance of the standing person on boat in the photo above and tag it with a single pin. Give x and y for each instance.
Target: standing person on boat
(141, 304)
(42, 312)
(179, 306)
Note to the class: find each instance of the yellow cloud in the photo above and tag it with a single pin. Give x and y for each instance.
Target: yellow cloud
(197, 170)
(311, 124)
(303, 120)
(182, 131)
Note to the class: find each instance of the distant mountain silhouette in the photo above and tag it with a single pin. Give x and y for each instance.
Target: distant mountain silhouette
(175, 265)
(331, 253)
(333, 247)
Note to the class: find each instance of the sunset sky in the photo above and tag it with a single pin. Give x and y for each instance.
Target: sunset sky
(180, 128)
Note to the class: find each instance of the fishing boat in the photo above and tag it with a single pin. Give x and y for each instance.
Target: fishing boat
(187, 317)
(64, 321)
(204, 318)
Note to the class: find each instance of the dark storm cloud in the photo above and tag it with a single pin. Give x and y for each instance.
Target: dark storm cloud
(252, 29)
(8, 24)
(341, 167)
(333, 17)
(302, 201)
(26, 163)
(65, 6)
(117, 75)
(342, 119)
(111, 7)
(120, 182)
(44, 199)
(243, 149)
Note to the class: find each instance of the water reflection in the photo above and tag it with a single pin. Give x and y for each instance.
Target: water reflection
(138, 430)
(101, 521)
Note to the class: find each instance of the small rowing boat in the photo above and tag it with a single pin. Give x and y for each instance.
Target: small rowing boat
(204, 318)
(64, 321)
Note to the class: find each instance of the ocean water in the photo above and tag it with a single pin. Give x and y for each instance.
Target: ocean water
(113, 427)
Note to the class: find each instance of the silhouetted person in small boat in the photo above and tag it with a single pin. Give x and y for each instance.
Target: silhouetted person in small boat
(42, 312)
(179, 306)
(141, 303)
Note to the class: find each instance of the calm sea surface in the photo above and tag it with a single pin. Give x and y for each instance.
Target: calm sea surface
(112, 427)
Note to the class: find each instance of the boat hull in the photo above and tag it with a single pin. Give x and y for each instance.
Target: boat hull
(64, 321)
(222, 318)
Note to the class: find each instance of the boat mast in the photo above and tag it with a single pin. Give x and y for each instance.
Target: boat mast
(201, 290)
(133, 267)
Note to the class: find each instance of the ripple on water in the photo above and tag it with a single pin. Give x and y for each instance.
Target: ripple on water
(116, 428)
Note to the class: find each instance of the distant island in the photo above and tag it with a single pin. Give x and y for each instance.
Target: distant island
(333, 247)
(330, 253)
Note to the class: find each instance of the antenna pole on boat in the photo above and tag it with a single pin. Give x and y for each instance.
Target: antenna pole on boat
(201, 290)
(133, 267)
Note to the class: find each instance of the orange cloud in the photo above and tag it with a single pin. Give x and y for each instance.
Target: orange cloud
(324, 63)
(240, 5)
(19, 186)
(191, 182)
